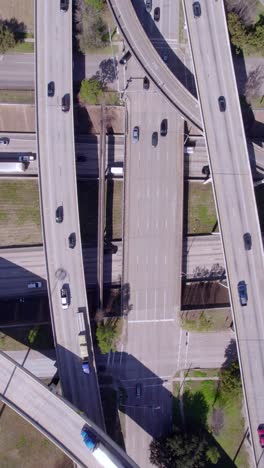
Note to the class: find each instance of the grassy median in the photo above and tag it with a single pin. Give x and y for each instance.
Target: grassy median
(199, 208)
(19, 213)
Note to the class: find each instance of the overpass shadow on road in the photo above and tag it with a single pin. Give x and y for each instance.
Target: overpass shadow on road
(174, 63)
(154, 408)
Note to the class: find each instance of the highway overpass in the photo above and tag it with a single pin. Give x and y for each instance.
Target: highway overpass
(58, 188)
(52, 415)
(152, 63)
(234, 196)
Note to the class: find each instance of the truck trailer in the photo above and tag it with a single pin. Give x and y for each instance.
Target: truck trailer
(12, 167)
(106, 458)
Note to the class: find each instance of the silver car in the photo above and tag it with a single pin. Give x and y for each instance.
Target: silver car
(135, 134)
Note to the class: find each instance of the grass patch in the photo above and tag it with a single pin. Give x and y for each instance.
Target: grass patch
(114, 203)
(204, 406)
(39, 337)
(202, 373)
(206, 320)
(19, 208)
(22, 48)
(20, 96)
(200, 211)
(21, 441)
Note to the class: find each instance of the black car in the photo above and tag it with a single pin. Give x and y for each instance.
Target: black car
(222, 103)
(148, 6)
(154, 139)
(72, 240)
(197, 9)
(164, 127)
(51, 89)
(65, 103)
(157, 14)
(125, 58)
(59, 214)
(64, 5)
(247, 240)
(242, 292)
(145, 83)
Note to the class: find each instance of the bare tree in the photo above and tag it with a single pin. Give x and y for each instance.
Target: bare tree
(254, 83)
(245, 9)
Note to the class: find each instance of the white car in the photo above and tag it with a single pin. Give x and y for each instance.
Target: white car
(25, 158)
(36, 284)
(64, 298)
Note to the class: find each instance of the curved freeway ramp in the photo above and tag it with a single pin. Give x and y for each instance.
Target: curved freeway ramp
(151, 62)
(50, 414)
(59, 205)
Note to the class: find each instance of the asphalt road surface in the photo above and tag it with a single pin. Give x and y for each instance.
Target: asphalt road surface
(21, 266)
(17, 71)
(235, 197)
(87, 152)
(152, 256)
(58, 188)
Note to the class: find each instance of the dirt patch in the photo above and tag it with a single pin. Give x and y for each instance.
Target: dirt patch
(217, 420)
(87, 119)
(22, 11)
(17, 118)
(22, 445)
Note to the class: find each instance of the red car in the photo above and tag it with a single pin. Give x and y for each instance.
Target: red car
(261, 434)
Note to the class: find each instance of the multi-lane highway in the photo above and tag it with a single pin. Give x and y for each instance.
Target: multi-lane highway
(57, 179)
(87, 152)
(152, 256)
(22, 266)
(234, 195)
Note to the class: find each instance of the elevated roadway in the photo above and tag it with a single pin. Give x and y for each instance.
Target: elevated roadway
(57, 182)
(234, 196)
(87, 152)
(152, 63)
(51, 414)
(20, 266)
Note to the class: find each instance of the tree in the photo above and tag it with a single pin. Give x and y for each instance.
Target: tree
(179, 450)
(91, 91)
(254, 84)
(213, 454)
(237, 31)
(245, 9)
(106, 335)
(230, 379)
(90, 26)
(7, 39)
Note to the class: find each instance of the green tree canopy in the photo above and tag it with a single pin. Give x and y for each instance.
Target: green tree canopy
(91, 91)
(213, 454)
(230, 379)
(180, 450)
(237, 30)
(7, 39)
(106, 335)
(96, 4)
